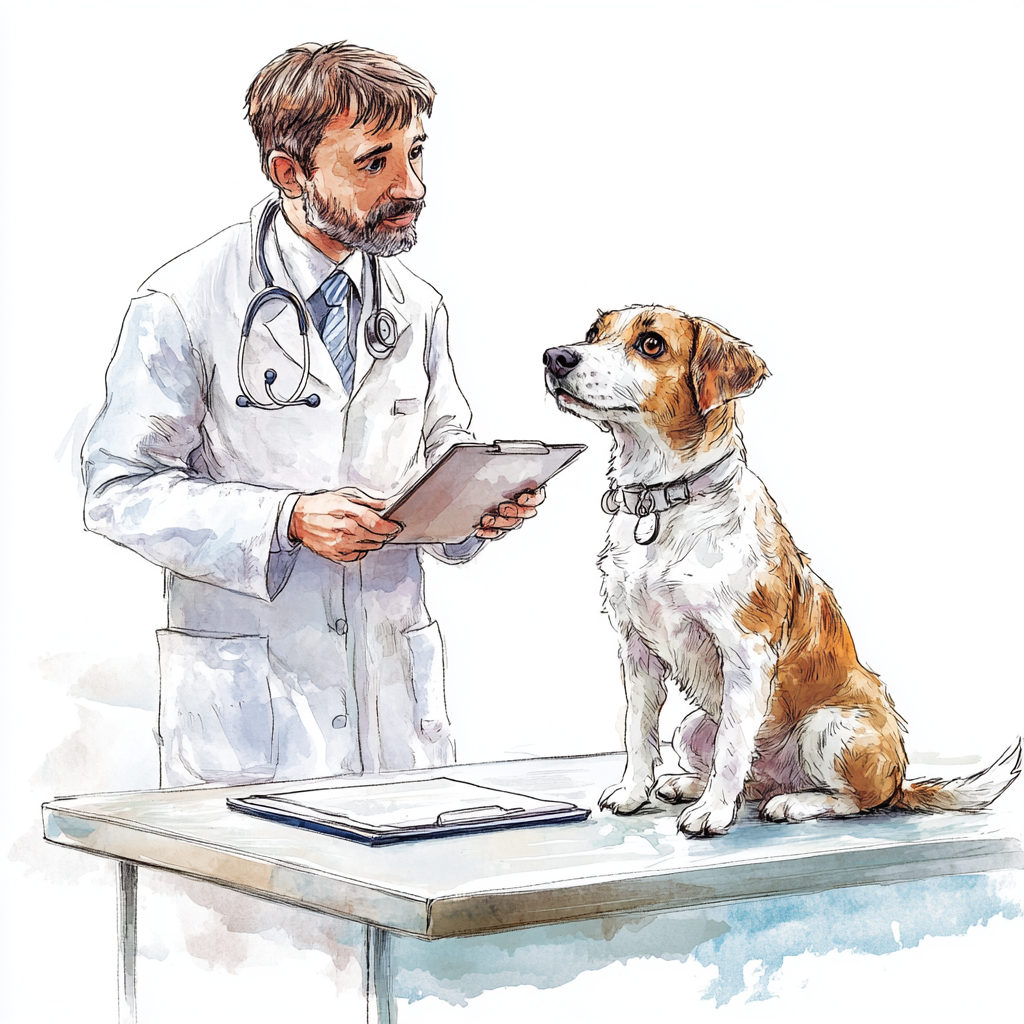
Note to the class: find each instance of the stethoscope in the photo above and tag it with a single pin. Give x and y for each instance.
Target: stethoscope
(381, 326)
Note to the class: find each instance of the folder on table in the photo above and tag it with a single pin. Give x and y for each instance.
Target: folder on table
(446, 503)
(395, 812)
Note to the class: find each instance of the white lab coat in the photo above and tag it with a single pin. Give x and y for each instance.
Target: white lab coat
(276, 663)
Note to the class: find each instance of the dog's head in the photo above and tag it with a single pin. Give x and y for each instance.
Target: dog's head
(653, 368)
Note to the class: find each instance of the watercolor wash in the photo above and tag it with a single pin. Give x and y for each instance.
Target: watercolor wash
(278, 391)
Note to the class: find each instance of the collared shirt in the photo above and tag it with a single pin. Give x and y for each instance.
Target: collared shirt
(308, 267)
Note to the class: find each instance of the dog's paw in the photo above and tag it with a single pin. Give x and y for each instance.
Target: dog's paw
(624, 797)
(707, 818)
(677, 789)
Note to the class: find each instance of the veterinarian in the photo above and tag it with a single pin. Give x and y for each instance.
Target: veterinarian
(298, 643)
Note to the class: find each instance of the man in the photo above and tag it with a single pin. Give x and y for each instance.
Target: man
(298, 643)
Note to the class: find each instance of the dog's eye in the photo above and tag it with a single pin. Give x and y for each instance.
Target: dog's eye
(650, 345)
(591, 336)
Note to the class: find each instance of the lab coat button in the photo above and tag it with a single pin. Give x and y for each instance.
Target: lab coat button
(339, 721)
(341, 626)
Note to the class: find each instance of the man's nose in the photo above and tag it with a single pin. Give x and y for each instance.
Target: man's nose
(559, 361)
(407, 186)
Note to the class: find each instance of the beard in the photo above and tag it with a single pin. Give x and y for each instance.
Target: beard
(328, 216)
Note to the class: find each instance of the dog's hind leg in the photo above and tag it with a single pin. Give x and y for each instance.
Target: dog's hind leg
(851, 765)
(643, 676)
(694, 743)
(802, 806)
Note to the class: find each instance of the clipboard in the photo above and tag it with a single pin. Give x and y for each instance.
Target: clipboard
(396, 812)
(446, 503)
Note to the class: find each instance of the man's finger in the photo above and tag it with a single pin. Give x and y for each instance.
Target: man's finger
(343, 556)
(347, 506)
(532, 498)
(510, 511)
(333, 530)
(368, 543)
(489, 534)
(493, 522)
(369, 520)
(367, 523)
(357, 496)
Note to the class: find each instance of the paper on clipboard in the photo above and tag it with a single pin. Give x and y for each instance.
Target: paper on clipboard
(392, 812)
(446, 503)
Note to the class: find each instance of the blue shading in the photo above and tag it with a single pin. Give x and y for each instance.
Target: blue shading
(857, 919)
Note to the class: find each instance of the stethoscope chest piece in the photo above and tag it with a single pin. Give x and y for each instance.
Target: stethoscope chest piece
(381, 333)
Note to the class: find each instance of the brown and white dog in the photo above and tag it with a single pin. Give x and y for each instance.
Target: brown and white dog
(706, 588)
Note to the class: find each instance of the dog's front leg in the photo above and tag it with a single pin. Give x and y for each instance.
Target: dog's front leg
(748, 668)
(642, 676)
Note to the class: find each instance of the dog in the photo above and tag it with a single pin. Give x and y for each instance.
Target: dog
(707, 589)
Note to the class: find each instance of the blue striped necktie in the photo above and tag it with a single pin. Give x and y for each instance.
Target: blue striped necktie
(329, 305)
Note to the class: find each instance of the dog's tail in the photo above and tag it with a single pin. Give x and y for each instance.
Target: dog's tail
(970, 794)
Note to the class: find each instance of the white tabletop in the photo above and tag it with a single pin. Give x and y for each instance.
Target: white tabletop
(474, 884)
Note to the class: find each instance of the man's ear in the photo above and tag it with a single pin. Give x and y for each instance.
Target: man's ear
(286, 173)
(722, 367)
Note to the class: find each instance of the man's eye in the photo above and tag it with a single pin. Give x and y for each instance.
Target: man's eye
(416, 152)
(650, 345)
(376, 165)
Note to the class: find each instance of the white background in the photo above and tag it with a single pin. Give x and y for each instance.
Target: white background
(838, 184)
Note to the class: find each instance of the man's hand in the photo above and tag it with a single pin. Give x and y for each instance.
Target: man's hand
(340, 525)
(509, 515)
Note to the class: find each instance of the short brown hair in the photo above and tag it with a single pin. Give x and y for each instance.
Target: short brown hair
(295, 97)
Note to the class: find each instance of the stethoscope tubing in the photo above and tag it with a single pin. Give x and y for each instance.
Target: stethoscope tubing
(270, 375)
(381, 327)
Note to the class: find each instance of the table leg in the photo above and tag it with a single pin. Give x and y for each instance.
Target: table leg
(127, 890)
(380, 1000)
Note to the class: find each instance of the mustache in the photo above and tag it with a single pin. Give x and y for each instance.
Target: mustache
(391, 208)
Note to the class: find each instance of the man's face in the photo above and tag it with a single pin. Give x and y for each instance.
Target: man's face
(366, 190)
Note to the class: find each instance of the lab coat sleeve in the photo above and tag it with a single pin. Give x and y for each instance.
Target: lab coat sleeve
(446, 422)
(143, 487)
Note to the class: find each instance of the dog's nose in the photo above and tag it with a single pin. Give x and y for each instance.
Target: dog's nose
(559, 361)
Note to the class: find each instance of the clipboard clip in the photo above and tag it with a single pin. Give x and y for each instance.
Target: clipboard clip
(482, 813)
(521, 448)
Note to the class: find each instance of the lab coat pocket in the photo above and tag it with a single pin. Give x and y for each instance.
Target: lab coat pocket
(426, 649)
(406, 406)
(216, 723)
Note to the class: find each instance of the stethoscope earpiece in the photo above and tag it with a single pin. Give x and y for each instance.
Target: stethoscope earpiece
(381, 326)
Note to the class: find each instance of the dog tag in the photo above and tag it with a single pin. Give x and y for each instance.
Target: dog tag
(646, 529)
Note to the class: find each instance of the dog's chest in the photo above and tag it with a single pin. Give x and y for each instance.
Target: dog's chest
(683, 593)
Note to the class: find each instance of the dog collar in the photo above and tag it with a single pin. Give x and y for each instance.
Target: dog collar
(646, 503)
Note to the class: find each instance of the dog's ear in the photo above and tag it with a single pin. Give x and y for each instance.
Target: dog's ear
(722, 367)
